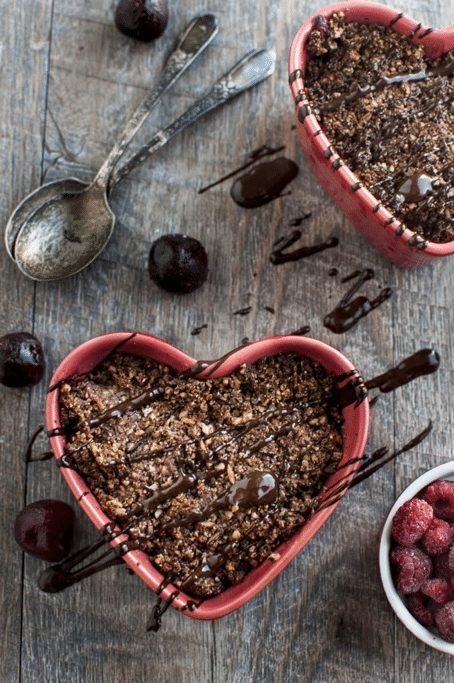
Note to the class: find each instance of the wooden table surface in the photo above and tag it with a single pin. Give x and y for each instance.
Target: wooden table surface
(69, 81)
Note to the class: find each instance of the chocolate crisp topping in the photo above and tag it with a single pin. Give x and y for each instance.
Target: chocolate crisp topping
(207, 476)
(388, 112)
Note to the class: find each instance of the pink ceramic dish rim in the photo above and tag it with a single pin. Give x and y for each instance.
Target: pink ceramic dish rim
(413, 251)
(356, 430)
(395, 599)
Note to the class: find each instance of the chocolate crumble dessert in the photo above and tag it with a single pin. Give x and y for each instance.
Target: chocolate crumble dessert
(207, 476)
(388, 111)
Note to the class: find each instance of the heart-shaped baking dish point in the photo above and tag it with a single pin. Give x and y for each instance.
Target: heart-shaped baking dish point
(399, 244)
(355, 434)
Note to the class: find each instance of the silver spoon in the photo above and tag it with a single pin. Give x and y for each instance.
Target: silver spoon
(194, 39)
(51, 246)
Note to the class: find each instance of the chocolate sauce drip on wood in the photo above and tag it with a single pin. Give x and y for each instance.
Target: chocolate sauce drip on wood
(301, 331)
(243, 311)
(352, 276)
(278, 256)
(372, 464)
(295, 222)
(348, 313)
(198, 330)
(28, 450)
(254, 156)
(155, 621)
(263, 183)
(423, 362)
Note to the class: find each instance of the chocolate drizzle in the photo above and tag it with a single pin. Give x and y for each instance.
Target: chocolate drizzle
(28, 451)
(279, 255)
(78, 376)
(257, 488)
(348, 313)
(360, 91)
(254, 157)
(197, 330)
(370, 465)
(423, 362)
(57, 578)
(263, 183)
(143, 399)
(301, 331)
(243, 311)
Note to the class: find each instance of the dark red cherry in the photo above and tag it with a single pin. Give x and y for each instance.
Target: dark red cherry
(143, 20)
(21, 359)
(45, 529)
(178, 263)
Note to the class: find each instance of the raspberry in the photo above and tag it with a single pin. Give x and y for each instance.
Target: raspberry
(440, 495)
(444, 620)
(411, 521)
(440, 590)
(417, 606)
(413, 568)
(438, 537)
(442, 569)
(451, 558)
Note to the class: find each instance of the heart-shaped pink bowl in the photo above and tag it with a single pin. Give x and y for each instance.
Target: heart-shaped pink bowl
(356, 429)
(400, 245)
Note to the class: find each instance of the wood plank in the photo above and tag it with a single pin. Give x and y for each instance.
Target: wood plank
(25, 46)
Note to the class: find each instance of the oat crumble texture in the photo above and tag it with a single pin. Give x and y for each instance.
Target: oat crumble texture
(207, 476)
(388, 112)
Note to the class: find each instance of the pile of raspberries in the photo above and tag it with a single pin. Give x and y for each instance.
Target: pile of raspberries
(423, 559)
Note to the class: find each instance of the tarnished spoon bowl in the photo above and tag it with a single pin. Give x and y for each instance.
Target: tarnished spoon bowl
(66, 233)
(32, 202)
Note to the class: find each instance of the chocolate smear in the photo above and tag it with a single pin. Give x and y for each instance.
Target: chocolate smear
(263, 183)
(348, 312)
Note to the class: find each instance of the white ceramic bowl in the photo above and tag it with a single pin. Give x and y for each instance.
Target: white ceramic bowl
(396, 600)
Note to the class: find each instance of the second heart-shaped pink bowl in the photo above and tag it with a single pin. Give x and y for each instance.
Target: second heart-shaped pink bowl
(355, 434)
(400, 245)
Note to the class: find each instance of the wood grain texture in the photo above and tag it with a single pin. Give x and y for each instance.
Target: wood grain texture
(68, 83)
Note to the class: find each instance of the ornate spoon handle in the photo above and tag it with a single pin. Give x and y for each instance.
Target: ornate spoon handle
(193, 40)
(253, 68)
